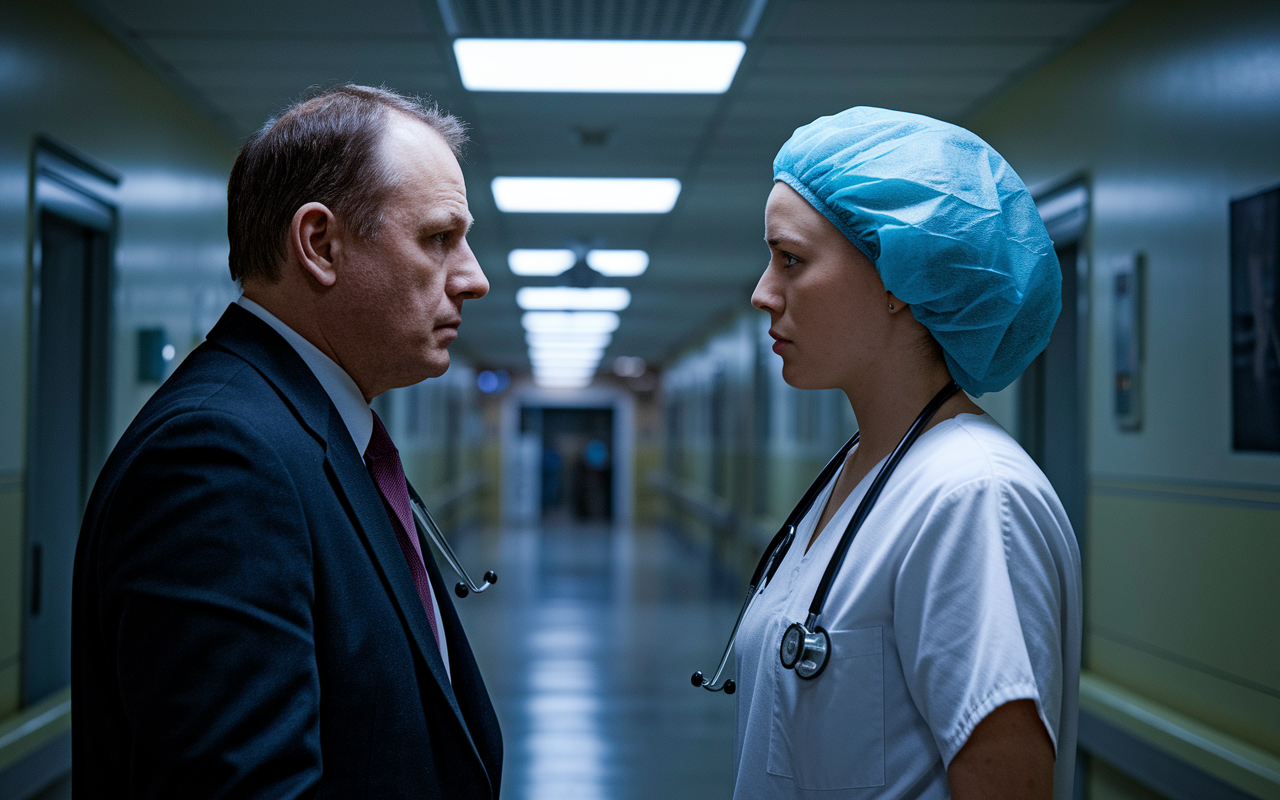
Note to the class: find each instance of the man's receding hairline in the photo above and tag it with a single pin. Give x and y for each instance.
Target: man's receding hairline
(392, 173)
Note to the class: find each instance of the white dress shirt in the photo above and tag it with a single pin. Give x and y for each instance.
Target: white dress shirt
(355, 413)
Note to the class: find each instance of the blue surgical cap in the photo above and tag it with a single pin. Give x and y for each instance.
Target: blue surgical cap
(949, 225)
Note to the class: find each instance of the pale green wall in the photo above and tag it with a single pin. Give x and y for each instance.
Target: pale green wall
(61, 76)
(1170, 109)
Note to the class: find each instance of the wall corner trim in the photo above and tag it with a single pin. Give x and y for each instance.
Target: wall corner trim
(1220, 755)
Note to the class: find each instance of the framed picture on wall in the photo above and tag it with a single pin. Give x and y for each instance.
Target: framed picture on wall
(1255, 340)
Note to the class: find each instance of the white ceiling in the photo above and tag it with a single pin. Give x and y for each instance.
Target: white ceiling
(240, 61)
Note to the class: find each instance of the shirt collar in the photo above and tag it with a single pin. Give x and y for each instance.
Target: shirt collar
(344, 393)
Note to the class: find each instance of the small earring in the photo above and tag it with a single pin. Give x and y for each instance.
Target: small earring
(891, 306)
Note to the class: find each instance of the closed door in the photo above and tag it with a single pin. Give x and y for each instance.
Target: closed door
(66, 437)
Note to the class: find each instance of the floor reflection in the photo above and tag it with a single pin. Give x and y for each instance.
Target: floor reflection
(587, 643)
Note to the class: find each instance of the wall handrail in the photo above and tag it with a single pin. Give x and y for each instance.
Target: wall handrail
(1221, 755)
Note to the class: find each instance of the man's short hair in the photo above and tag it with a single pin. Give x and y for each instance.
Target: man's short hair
(323, 149)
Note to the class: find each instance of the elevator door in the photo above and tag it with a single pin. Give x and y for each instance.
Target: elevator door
(65, 434)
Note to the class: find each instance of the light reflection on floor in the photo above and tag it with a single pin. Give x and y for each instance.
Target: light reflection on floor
(586, 644)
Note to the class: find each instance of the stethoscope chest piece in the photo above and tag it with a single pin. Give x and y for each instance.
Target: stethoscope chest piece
(805, 651)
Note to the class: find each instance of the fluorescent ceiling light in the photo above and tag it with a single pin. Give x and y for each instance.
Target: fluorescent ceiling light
(562, 373)
(539, 339)
(569, 351)
(597, 65)
(589, 361)
(571, 298)
(618, 263)
(562, 382)
(585, 195)
(574, 368)
(570, 321)
(567, 370)
(540, 262)
(566, 359)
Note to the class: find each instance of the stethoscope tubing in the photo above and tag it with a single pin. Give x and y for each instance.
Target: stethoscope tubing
(873, 494)
(771, 559)
(769, 562)
(428, 528)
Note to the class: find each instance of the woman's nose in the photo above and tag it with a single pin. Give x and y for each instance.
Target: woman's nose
(766, 297)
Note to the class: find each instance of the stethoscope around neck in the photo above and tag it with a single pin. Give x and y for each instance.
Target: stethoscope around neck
(428, 528)
(806, 647)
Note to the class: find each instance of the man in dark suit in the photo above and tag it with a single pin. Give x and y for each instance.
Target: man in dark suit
(254, 613)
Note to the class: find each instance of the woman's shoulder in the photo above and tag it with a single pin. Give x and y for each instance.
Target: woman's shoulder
(970, 465)
(974, 448)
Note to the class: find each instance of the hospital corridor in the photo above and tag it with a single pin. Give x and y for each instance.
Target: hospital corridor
(594, 637)
(640, 399)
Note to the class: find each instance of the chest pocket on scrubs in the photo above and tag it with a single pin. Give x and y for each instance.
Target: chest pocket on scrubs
(828, 733)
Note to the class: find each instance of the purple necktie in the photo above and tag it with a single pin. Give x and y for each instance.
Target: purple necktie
(384, 465)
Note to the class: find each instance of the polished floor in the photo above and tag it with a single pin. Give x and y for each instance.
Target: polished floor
(587, 642)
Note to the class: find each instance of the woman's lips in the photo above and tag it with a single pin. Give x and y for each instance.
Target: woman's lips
(779, 343)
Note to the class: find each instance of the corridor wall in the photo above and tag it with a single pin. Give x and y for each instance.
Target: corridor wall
(1168, 111)
(1171, 110)
(62, 77)
(740, 445)
(64, 81)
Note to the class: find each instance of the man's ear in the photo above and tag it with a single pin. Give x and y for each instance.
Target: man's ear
(312, 234)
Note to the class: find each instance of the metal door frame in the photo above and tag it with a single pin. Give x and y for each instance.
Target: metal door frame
(82, 191)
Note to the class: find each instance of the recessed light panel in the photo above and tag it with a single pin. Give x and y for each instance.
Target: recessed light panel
(618, 263)
(585, 195)
(569, 322)
(579, 338)
(571, 298)
(540, 262)
(597, 65)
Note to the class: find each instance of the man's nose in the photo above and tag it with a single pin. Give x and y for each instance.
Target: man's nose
(468, 279)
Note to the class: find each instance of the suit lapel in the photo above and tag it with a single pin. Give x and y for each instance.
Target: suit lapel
(351, 480)
(242, 333)
(479, 723)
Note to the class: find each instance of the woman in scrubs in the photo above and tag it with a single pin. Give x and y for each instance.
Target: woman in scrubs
(904, 253)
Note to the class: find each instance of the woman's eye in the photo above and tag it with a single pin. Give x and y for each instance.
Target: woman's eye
(788, 260)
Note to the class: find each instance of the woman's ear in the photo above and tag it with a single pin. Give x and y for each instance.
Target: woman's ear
(312, 234)
(895, 305)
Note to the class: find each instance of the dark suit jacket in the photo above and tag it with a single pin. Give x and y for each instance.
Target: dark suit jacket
(244, 622)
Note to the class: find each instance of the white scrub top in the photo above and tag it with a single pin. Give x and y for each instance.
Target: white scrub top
(961, 592)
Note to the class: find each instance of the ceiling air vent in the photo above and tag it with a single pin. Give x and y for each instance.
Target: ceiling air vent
(601, 19)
